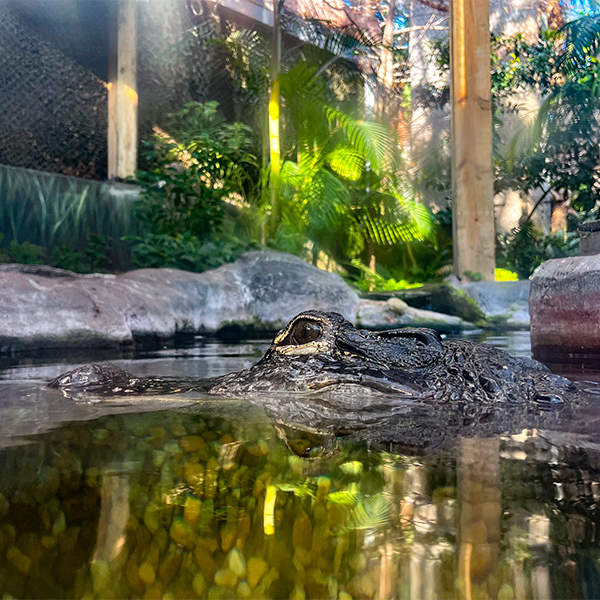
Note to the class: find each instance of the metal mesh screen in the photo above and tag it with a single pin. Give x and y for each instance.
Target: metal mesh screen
(53, 112)
(53, 108)
(53, 94)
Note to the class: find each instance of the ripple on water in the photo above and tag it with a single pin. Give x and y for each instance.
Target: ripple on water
(211, 500)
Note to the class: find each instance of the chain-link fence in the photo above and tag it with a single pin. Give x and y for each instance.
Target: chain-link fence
(54, 70)
(53, 111)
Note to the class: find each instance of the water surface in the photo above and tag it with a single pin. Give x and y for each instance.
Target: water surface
(180, 498)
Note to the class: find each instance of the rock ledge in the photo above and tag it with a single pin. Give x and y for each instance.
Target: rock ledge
(41, 308)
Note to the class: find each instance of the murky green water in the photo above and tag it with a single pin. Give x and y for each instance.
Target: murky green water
(209, 499)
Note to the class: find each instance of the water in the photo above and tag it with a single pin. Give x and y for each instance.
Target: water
(176, 498)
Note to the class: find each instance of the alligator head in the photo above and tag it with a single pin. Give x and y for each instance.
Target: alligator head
(320, 351)
(323, 375)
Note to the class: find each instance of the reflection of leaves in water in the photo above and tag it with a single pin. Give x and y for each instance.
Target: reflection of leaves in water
(371, 513)
(301, 488)
(517, 539)
(352, 467)
(349, 496)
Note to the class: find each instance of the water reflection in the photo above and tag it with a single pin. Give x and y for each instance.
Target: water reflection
(185, 503)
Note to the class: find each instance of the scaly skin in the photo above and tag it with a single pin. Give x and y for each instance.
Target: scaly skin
(320, 351)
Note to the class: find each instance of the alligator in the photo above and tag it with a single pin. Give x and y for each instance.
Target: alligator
(408, 386)
(322, 350)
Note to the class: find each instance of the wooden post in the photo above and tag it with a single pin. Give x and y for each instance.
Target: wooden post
(385, 73)
(471, 124)
(122, 93)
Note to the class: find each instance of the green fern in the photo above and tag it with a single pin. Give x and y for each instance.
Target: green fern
(374, 512)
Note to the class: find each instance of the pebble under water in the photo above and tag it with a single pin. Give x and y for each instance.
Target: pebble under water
(180, 498)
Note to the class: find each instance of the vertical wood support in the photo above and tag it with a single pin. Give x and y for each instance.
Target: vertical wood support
(471, 124)
(122, 93)
(385, 73)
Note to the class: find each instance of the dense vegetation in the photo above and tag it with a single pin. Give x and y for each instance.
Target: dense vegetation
(349, 195)
(349, 191)
(341, 197)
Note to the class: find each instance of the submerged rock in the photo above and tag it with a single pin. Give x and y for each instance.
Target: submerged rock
(261, 290)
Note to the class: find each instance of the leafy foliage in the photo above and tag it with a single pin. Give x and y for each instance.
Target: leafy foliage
(582, 43)
(24, 253)
(557, 152)
(50, 211)
(505, 275)
(369, 281)
(199, 168)
(341, 192)
(92, 260)
(185, 251)
(525, 249)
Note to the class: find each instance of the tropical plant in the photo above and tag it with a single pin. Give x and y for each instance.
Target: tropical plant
(339, 185)
(380, 280)
(557, 151)
(525, 248)
(582, 43)
(51, 211)
(199, 164)
(199, 168)
(93, 259)
(24, 253)
(341, 191)
(185, 251)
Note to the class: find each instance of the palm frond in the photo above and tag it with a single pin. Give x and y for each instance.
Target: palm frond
(248, 60)
(324, 197)
(399, 218)
(369, 138)
(528, 138)
(315, 192)
(582, 42)
(371, 513)
(290, 179)
(347, 162)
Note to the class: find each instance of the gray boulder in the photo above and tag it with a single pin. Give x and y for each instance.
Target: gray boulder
(261, 290)
(378, 315)
(504, 303)
(565, 310)
(493, 304)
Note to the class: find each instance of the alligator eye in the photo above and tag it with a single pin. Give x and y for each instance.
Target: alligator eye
(305, 331)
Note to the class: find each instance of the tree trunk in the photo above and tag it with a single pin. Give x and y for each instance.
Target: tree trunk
(385, 73)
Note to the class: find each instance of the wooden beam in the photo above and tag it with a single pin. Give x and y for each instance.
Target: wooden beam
(250, 8)
(471, 127)
(122, 93)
